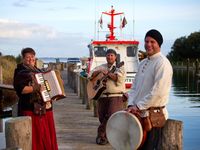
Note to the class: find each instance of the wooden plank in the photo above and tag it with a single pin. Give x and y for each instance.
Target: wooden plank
(76, 128)
(6, 86)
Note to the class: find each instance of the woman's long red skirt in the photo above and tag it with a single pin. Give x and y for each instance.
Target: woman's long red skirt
(43, 131)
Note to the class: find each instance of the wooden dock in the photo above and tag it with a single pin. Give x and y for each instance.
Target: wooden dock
(76, 127)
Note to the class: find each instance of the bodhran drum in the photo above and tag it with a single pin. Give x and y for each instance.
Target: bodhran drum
(124, 131)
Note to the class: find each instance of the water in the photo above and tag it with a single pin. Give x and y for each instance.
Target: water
(52, 59)
(184, 105)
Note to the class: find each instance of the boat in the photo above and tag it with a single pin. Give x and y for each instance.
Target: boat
(127, 50)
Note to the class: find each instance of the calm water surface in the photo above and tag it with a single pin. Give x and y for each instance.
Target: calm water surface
(184, 105)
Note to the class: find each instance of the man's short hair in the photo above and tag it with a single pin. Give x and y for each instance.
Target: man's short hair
(27, 50)
(111, 51)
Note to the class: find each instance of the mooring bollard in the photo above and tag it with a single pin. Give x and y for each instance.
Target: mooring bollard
(170, 137)
(18, 133)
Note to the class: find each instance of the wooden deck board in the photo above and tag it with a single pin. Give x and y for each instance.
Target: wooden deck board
(76, 127)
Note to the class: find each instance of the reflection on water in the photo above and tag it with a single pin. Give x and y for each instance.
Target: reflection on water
(186, 86)
(185, 94)
(186, 83)
(184, 105)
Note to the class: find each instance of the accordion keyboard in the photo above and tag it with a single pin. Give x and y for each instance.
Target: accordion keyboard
(45, 94)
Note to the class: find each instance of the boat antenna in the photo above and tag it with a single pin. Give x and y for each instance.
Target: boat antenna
(133, 19)
(111, 25)
(95, 21)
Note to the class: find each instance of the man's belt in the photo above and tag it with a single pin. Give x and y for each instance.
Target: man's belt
(156, 108)
(108, 94)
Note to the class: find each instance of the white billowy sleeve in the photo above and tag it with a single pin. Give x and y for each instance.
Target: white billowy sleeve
(158, 95)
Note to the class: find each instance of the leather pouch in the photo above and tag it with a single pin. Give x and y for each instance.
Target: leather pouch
(157, 117)
(39, 109)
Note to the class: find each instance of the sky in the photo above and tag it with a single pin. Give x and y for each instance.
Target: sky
(64, 28)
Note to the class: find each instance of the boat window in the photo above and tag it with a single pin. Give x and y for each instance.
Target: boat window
(131, 51)
(100, 51)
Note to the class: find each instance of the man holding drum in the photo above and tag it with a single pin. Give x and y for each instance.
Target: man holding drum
(153, 80)
(111, 100)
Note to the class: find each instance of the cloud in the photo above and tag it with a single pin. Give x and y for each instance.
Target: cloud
(15, 29)
(47, 41)
(25, 3)
(20, 4)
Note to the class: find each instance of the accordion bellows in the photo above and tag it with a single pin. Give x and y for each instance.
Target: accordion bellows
(53, 83)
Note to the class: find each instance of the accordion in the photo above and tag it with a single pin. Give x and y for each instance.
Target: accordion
(52, 81)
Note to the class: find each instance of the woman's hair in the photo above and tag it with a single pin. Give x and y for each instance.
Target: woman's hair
(27, 50)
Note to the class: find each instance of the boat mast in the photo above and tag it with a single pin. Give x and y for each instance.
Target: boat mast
(111, 25)
(133, 19)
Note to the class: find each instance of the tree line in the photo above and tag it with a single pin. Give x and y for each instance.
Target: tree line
(185, 47)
